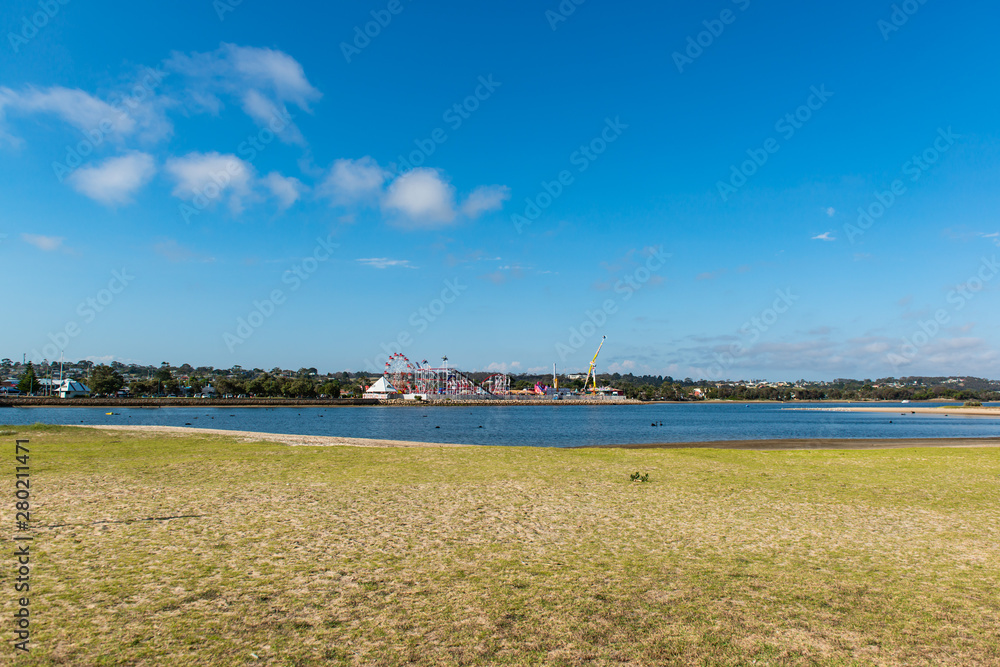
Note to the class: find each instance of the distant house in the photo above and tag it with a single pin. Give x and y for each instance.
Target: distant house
(381, 389)
(73, 389)
(208, 391)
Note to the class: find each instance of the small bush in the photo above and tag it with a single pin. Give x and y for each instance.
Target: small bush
(973, 404)
(637, 477)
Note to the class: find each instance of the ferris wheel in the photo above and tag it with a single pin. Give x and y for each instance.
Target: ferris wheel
(400, 373)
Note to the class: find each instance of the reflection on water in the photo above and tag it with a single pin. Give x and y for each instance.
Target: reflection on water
(553, 426)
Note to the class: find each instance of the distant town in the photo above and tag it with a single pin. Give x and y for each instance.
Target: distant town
(86, 379)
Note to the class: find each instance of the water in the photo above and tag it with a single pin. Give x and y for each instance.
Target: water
(555, 426)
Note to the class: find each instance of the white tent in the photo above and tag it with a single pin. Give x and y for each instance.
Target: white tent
(381, 389)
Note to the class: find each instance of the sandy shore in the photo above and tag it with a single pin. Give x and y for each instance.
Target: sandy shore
(821, 443)
(949, 411)
(283, 438)
(760, 445)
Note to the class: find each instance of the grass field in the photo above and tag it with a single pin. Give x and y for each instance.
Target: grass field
(502, 556)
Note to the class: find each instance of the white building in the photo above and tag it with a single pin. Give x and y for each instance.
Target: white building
(73, 389)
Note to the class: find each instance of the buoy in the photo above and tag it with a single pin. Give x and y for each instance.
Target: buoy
(109, 413)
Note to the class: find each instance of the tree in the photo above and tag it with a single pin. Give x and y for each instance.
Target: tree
(105, 380)
(28, 383)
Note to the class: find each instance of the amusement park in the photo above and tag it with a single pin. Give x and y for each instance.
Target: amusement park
(420, 381)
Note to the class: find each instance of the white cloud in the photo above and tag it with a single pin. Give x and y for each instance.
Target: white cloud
(385, 262)
(825, 236)
(286, 189)
(626, 366)
(418, 199)
(46, 243)
(503, 367)
(264, 81)
(352, 181)
(116, 179)
(831, 211)
(203, 178)
(485, 198)
(127, 114)
(423, 197)
(75, 107)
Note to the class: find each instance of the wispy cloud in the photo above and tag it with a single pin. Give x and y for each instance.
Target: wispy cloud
(175, 252)
(353, 181)
(286, 189)
(263, 81)
(825, 236)
(46, 243)
(73, 106)
(385, 263)
(485, 198)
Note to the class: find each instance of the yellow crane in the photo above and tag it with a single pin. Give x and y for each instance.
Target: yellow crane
(593, 368)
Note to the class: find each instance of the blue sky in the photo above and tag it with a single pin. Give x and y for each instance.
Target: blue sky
(221, 184)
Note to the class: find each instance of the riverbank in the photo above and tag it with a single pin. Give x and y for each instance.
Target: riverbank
(281, 438)
(163, 402)
(750, 445)
(202, 549)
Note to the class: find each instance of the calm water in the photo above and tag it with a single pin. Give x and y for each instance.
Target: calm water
(557, 426)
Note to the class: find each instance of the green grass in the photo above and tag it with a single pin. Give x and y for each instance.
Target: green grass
(505, 556)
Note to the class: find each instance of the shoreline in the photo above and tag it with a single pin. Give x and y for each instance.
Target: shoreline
(290, 439)
(53, 402)
(810, 444)
(799, 444)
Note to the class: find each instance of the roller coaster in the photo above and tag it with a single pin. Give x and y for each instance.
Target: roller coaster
(408, 377)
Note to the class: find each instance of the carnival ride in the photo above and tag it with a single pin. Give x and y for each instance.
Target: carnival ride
(409, 377)
(592, 373)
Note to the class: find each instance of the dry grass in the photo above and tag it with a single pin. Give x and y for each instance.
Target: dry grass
(506, 556)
